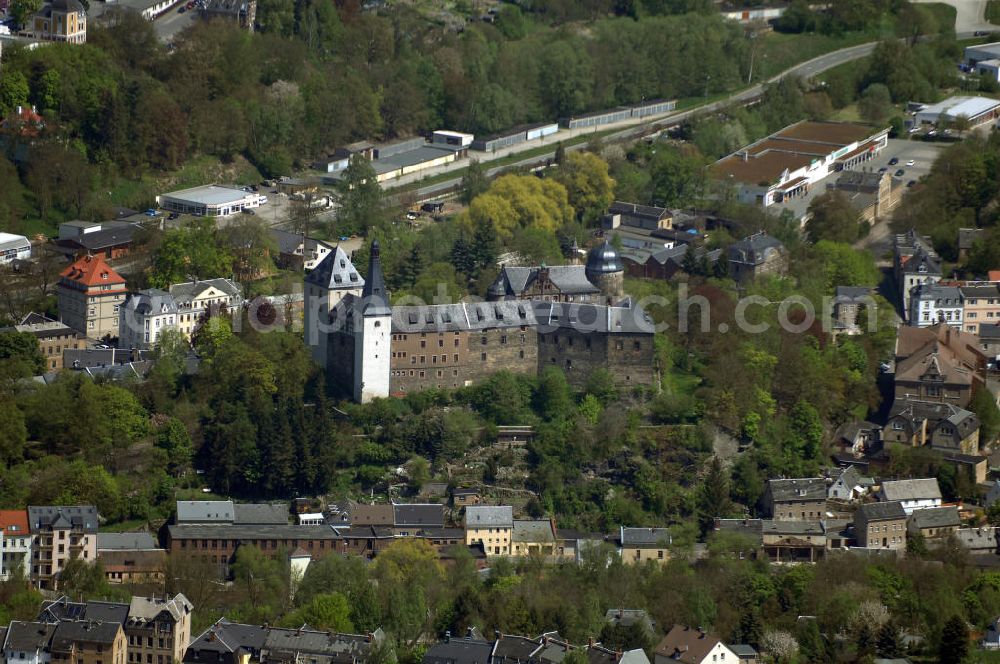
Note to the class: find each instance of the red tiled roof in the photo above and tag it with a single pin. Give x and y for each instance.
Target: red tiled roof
(92, 271)
(994, 275)
(14, 522)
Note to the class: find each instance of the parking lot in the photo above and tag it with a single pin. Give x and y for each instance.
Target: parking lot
(921, 153)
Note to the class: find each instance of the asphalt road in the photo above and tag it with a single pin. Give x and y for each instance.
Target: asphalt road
(170, 23)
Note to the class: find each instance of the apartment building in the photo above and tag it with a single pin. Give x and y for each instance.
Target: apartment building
(59, 534)
(492, 527)
(982, 306)
(90, 294)
(15, 543)
(158, 629)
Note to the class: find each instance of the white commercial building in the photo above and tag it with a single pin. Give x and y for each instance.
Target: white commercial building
(144, 316)
(455, 138)
(977, 110)
(14, 247)
(211, 200)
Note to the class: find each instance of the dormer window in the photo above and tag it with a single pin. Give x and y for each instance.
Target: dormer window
(104, 275)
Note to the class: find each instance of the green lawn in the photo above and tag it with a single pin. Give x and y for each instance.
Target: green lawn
(141, 193)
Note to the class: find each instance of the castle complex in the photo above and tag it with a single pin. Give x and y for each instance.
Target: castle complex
(573, 317)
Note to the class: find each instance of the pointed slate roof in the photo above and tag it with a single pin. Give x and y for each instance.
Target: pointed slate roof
(375, 299)
(335, 272)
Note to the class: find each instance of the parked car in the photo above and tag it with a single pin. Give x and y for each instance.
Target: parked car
(152, 213)
(911, 163)
(900, 173)
(911, 183)
(883, 169)
(172, 216)
(412, 215)
(894, 161)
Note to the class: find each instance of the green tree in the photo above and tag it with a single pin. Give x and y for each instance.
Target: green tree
(14, 88)
(327, 611)
(20, 355)
(954, 645)
(890, 643)
(474, 182)
(173, 438)
(833, 217)
(588, 185)
(713, 496)
(13, 432)
(191, 252)
(677, 176)
(875, 104)
(989, 415)
(359, 197)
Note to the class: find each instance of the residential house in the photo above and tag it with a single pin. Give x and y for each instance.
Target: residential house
(62, 609)
(937, 363)
(848, 303)
(198, 299)
(226, 642)
(60, 21)
(53, 338)
(934, 303)
(872, 194)
(849, 485)
(991, 639)
(858, 438)
(792, 540)
(492, 526)
(90, 294)
(967, 237)
(638, 545)
(59, 534)
(459, 651)
(745, 653)
(28, 642)
(88, 642)
(981, 306)
(410, 518)
(296, 251)
(690, 645)
(110, 239)
(145, 315)
(667, 262)
(795, 499)
(637, 216)
(943, 426)
(934, 522)
(981, 541)
(131, 558)
(511, 649)
(755, 256)
(911, 494)
(15, 542)
(881, 526)
(573, 545)
(533, 537)
(914, 262)
(598, 654)
(630, 618)
(463, 496)
(373, 515)
(158, 629)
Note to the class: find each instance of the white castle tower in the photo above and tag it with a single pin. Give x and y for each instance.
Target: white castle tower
(372, 323)
(331, 280)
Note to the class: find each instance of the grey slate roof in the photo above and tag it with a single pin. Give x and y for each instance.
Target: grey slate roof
(28, 636)
(987, 292)
(989, 331)
(288, 242)
(459, 651)
(374, 296)
(532, 530)
(125, 541)
(919, 489)
(513, 649)
(94, 610)
(429, 515)
(754, 249)
(69, 632)
(922, 263)
(645, 537)
(983, 540)
(967, 236)
(205, 511)
(943, 295)
(145, 609)
(62, 516)
(335, 271)
(882, 511)
(797, 489)
(569, 279)
(112, 234)
(777, 527)
(636, 210)
(259, 514)
(936, 517)
(151, 301)
(603, 259)
(183, 293)
(486, 516)
(233, 531)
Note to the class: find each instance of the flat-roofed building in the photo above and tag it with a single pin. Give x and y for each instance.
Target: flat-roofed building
(788, 162)
(14, 247)
(977, 110)
(211, 200)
